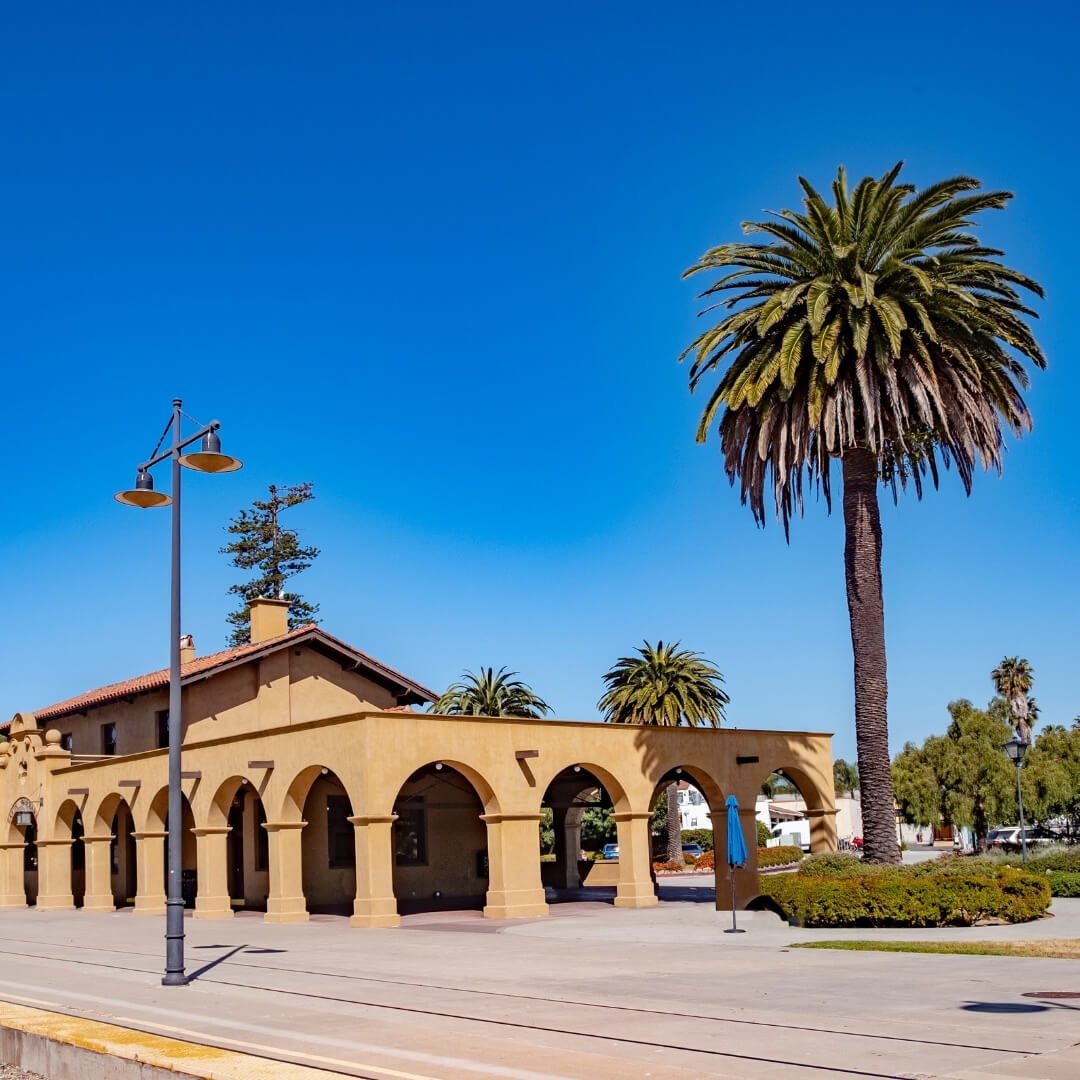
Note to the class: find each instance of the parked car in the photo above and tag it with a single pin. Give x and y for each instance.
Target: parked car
(696, 850)
(609, 851)
(1008, 838)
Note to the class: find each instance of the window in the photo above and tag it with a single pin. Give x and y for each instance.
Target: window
(410, 841)
(341, 842)
(162, 728)
(108, 738)
(65, 741)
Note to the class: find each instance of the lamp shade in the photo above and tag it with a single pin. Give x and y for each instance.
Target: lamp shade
(143, 494)
(210, 459)
(1015, 748)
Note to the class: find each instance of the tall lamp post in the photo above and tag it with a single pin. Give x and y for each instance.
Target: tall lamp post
(1016, 748)
(210, 459)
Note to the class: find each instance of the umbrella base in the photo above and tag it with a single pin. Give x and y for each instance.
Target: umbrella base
(734, 930)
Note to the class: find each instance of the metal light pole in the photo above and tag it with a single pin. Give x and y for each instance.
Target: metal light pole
(208, 459)
(1016, 748)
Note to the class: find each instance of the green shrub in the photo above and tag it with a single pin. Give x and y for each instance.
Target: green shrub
(1064, 882)
(783, 855)
(909, 896)
(1067, 859)
(704, 837)
(763, 834)
(834, 864)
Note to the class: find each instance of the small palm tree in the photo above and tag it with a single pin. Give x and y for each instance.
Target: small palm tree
(491, 693)
(1013, 679)
(669, 686)
(845, 777)
(875, 335)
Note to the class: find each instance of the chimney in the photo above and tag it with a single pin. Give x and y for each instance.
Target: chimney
(269, 618)
(187, 649)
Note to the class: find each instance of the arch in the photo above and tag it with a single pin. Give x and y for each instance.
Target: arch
(327, 848)
(237, 804)
(698, 779)
(299, 790)
(485, 791)
(615, 788)
(440, 837)
(156, 819)
(68, 825)
(114, 817)
(814, 828)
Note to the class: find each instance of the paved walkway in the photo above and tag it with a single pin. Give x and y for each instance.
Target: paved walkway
(591, 992)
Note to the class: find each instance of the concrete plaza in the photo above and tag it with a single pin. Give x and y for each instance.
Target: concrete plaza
(592, 991)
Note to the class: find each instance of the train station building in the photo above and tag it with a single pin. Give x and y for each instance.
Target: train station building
(313, 782)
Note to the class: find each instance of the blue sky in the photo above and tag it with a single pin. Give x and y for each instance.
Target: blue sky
(428, 257)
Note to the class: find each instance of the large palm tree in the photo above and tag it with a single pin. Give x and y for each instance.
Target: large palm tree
(878, 334)
(491, 693)
(1013, 679)
(669, 686)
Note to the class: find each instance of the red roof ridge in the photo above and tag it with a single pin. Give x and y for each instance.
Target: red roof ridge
(201, 665)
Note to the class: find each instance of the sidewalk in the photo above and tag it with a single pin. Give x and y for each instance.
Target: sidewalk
(592, 991)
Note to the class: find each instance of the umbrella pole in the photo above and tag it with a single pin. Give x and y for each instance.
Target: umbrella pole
(734, 929)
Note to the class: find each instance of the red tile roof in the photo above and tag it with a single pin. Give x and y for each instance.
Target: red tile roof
(203, 666)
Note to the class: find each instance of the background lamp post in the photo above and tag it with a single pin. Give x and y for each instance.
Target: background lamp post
(1016, 748)
(208, 458)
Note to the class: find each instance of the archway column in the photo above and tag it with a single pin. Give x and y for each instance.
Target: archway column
(150, 872)
(375, 903)
(747, 881)
(822, 830)
(12, 888)
(286, 902)
(635, 888)
(515, 890)
(54, 875)
(212, 899)
(98, 895)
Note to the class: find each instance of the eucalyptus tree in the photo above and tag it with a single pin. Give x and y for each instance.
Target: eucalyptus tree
(491, 693)
(668, 686)
(1013, 680)
(874, 334)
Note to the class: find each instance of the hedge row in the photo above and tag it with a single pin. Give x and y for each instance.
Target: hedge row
(1064, 882)
(909, 896)
(783, 855)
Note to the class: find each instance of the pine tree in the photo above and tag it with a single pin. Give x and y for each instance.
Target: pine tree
(275, 553)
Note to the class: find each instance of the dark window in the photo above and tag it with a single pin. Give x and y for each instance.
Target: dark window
(30, 850)
(108, 738)
(339, 832)
(162, 728)
(78, 848)
(410, 840)
(65, 741)
(262, 838)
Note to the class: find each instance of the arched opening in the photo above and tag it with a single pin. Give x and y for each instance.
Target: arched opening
(189, 860)
(30, 861)
(684, 846)
(327, 844)
(114, 819)
(440, 841)
(70, 822)
(247, 852)
(789, 811)
(578, 833)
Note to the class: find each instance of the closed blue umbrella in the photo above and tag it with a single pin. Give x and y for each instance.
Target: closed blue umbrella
(736, 852)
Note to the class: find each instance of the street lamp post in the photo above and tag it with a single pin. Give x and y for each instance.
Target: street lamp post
(208, 458)
(1016, 748)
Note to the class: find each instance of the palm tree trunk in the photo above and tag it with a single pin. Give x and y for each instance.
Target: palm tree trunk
(862, 571)
(674, 825)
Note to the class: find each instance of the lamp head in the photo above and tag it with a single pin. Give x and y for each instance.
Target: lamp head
(1015, 748)
(142, 494)
(210, 459)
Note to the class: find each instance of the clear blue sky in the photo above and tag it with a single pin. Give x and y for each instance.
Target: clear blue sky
(427, 257)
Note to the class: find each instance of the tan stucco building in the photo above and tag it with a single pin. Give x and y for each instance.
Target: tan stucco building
(310, 783)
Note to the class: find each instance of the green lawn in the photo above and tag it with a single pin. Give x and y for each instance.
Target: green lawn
(1065, 949)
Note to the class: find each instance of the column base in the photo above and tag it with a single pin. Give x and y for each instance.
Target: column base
(289, 910)
(99, 904)
(56, 903)
(149, 905)
(217, 907)
(13, 900)
(515, 904)
(373, 921)
(638, 894)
